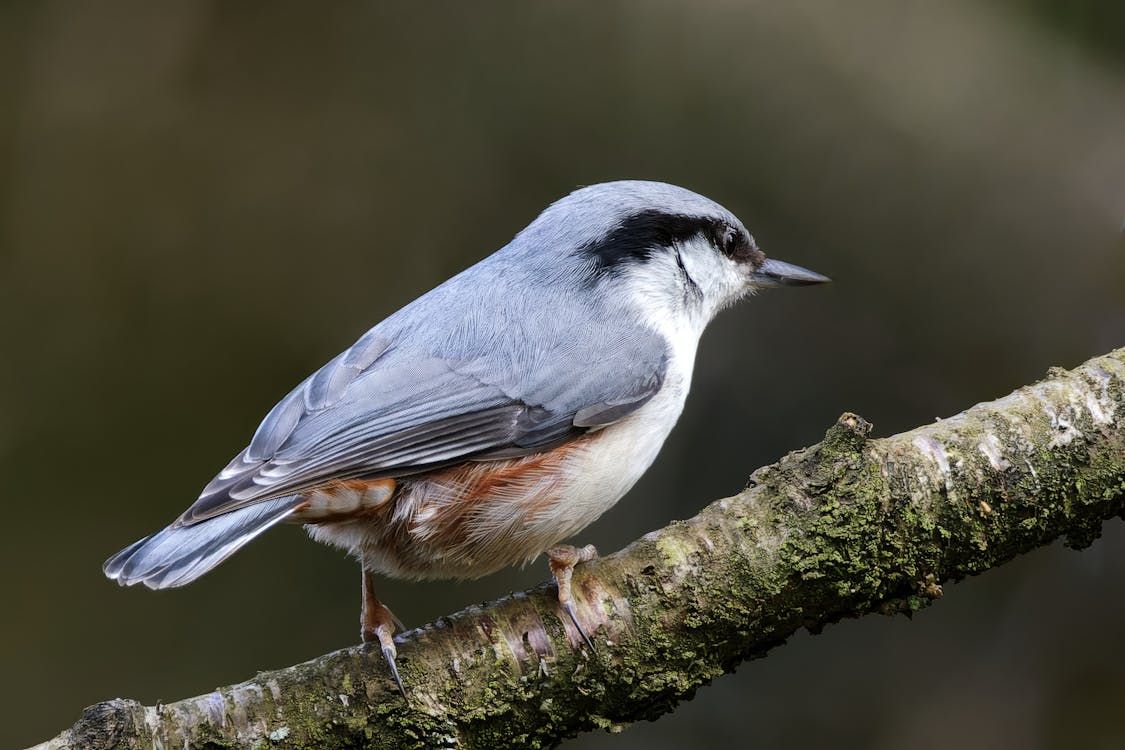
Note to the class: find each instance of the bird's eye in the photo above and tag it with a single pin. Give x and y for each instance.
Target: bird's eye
(733, 244)
(737, 245)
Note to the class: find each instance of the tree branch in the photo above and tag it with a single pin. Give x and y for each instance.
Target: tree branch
(847, 527)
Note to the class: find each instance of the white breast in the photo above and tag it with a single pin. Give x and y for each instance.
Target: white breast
(599, 476)
(596, 478)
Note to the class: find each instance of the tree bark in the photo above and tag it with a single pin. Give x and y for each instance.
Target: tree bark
(847, 527)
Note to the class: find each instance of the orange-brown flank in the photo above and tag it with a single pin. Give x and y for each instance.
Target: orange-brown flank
(463, 521)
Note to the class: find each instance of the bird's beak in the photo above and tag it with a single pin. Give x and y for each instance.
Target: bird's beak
(778, 273)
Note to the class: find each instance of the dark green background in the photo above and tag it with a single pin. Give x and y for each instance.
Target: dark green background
(200, 202)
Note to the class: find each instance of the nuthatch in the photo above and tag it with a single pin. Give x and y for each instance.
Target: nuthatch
(496, 415)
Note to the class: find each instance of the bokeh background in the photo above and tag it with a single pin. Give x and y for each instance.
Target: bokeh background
(200, 202)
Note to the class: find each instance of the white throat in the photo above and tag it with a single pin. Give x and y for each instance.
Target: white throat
(676, 294)
(680, 328)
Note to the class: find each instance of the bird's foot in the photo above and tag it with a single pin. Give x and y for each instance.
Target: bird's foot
(377, 624)
(562, 560)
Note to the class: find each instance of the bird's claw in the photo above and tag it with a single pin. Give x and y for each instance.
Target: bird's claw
(389, 653)
(569, 607)
(383, 635)
(562, 560)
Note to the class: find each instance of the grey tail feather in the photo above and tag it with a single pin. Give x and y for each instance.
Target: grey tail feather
(178, 554)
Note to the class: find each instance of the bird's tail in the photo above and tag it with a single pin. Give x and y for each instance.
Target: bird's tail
(179, 554)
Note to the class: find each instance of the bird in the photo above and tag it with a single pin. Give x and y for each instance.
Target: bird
(494, 417)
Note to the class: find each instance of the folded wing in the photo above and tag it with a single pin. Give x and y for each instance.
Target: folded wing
(380, 409)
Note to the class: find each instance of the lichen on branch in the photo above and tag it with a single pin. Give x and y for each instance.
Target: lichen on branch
(849, 526)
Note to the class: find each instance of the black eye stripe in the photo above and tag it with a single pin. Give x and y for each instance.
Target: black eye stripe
(643, 234)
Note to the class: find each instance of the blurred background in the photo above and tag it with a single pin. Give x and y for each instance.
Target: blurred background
(200, 202)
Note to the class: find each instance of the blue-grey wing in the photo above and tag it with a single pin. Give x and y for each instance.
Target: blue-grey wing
(387, 407)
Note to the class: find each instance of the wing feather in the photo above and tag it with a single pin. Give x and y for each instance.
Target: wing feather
(383, 409)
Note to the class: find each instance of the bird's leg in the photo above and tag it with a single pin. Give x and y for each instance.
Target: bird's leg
(377, 623)
(562, 560)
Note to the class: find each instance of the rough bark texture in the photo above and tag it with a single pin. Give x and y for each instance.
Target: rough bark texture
(849, 526)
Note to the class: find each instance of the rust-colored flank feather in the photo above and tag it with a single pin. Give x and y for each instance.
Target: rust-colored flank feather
(463, 521)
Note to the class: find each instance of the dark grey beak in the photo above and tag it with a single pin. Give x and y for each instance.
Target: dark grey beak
(779, 273)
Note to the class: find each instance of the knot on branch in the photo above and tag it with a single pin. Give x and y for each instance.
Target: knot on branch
(848, 434)
(109, 724)
(819, 465)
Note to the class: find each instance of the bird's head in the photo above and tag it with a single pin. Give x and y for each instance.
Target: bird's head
(672, 254)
